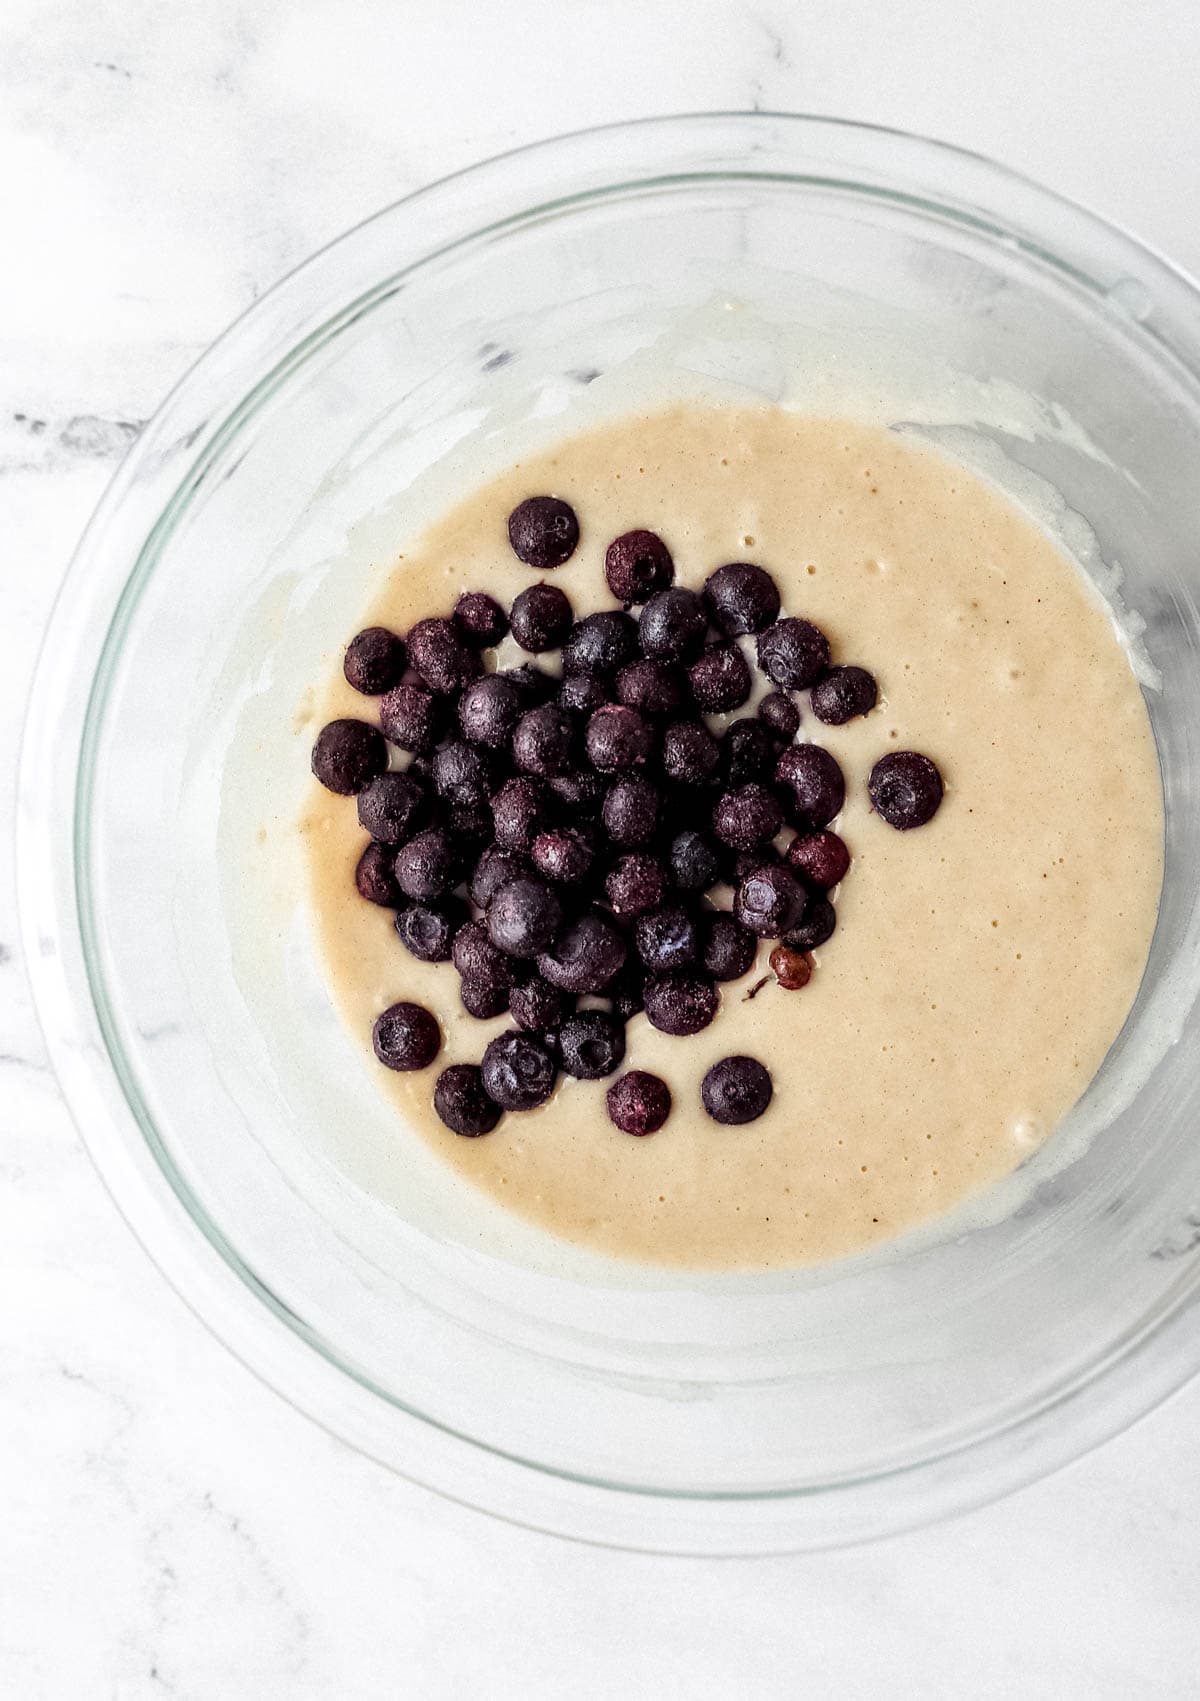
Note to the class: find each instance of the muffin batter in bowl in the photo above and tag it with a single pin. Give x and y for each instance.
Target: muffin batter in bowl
(983, 963)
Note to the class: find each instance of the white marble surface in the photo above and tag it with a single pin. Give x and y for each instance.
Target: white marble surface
(167, 1525)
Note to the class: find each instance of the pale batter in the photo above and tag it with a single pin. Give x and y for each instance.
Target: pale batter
(982, 965)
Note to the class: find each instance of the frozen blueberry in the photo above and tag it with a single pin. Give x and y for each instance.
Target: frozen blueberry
(375, 876)
(630, 812)
(747, 817)
(495, 867)
(442, 656)
(820, 919)
(601, 643)
(820, 859)
(585, 957)
(427, 866)
(636, 565)
(462, 1103)
(580, 793)
(652, 687)
(627, 991)
(541, 618)
(770, 901)
(720, 679)
(518, 1072)
(347, 754)
(483, 999)
(411, 717)
(477, 959)
(794, 653)
(406, 1036)
(375, 661)
(791, 968)
(543, 531)
(811, 783)
(521, 809)
(681, 1003)
(729, 948)
(736, 1090)
(673, 625)
(584, 693)
(842, 693)
(591, 1045)
(542, 743)
(618, 739)
(480, 619)
(428, 930)
(462, 774)
(639, 1103)
(779, 714)
(741, 598)
(563, 854)
(905, 788)
(693, 862)
(535, 685)
(537, 1006)
(747, 753)
(489, 709)
(634, 884)
(392, 806)
(667, 938)
(690, 753)
(524, 916)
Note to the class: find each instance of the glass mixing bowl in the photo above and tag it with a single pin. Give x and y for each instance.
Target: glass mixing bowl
(166, 754)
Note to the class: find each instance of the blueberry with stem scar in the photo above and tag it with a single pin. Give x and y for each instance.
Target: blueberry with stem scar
(736, 1090)
(406, 1036)
(905, 789)
(543, 531)
(591, 1045)
(585, 957)
(428, 930)
(794, 653)
(637, 565)
(518, 1072)
(810, 779)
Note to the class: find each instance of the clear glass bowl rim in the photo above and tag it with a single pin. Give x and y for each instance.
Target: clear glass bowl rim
(118, 550)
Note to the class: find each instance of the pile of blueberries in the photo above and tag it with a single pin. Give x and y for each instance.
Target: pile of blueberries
(555, 837)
